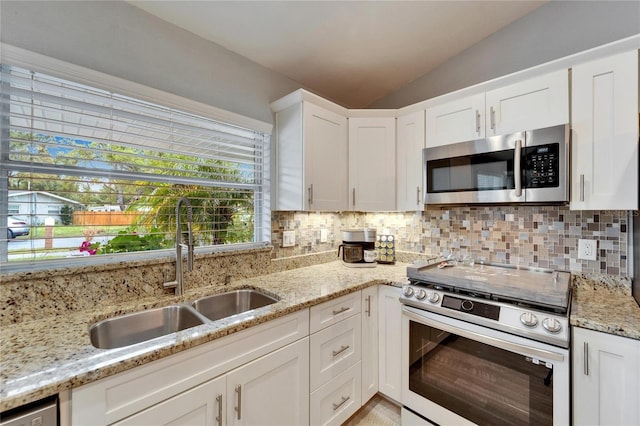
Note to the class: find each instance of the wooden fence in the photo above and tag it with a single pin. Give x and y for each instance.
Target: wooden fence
(104, 218)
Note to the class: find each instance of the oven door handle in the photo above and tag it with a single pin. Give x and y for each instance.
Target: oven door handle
(491, 341)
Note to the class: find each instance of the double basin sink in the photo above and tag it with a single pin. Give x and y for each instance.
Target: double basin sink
(141, 326)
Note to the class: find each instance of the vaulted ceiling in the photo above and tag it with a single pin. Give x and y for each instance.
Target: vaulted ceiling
(353, 52)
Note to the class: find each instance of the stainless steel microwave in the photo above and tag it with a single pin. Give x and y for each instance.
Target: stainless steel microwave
(525, 167)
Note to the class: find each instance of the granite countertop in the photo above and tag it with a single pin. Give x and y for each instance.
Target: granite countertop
(605, 304)
(44, 357)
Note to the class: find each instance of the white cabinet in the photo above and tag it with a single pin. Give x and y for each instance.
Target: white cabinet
(178, 386)
(311, 155)
(390, 344)
(456, 121)
(530, 104)
(200, 406)
(604, 121)
(335, 360)
(606, 379)
(369, 343)
(410, 136)
(272, 390)
(372, 164)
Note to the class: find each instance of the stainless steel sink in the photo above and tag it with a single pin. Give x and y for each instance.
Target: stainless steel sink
(234, 302)
(140, 326)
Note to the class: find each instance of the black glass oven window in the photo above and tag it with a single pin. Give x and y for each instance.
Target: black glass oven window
(482, 383)
(479, 172)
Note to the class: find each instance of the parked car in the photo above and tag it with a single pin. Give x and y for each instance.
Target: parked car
(16, 226)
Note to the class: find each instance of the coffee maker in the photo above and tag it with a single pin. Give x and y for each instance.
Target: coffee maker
(357, 248)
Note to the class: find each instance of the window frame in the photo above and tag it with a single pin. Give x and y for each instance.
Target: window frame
(18, 57)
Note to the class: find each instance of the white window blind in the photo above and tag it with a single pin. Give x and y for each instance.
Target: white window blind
(116, 166)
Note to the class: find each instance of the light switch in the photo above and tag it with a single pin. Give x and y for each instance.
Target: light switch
(323, 235)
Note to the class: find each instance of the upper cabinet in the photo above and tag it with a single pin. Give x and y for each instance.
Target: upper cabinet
(372, 163)
(604, 121)
(530, 104)
(456, 121)
(311, 154)
(410, 137)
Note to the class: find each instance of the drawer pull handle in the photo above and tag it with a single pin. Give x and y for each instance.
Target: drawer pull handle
(339, 311)
(239, 406)
(341, 403)
(342, 349)
(219, 403)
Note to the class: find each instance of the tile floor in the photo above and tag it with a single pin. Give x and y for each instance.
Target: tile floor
(377, 412)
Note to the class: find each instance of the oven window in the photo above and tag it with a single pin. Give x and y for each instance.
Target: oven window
(484, 384)
(480, 172)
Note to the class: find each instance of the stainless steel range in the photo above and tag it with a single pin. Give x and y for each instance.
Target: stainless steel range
(485, 344)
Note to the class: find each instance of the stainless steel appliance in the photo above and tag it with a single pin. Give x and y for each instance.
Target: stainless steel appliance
(525, 167)
(41, 413)
(355, 242)
(485, 344)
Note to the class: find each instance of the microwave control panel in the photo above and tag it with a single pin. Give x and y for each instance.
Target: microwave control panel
(542, 164)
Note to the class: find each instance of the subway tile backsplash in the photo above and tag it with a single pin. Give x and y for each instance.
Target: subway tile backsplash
(538, 236)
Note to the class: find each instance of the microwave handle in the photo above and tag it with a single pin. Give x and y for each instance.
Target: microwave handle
(517, 171)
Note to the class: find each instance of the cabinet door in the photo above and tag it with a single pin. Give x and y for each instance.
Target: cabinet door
(337, 400)
(272, 390)
(372, 164)
(606, 379)
(369, 343)
(604, 142)
(200, 406)
(456, 121)
(531, 104)
(390, 325)
(325, 159)
(409, 144)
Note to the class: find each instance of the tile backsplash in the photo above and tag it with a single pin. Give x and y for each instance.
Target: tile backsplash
(538, 236)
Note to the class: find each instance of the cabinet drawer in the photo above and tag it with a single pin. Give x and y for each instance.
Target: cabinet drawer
(331, 312)
(337, 400)
(334, 349)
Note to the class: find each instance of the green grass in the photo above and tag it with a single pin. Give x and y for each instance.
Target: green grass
(75, 231)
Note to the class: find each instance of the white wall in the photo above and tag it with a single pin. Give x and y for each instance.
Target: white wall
(121, 40)
(557, 29)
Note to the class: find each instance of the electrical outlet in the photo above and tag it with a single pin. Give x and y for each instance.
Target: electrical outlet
(323, 235)
(288, 238)
(587, 249)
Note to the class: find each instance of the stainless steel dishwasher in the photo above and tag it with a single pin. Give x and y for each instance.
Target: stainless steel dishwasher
(40, 413)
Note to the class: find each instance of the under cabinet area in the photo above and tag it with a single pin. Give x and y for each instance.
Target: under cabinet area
(606, 379)
(604, 120)
(527, 105)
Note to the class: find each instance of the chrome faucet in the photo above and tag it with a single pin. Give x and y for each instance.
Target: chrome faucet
(177, 284)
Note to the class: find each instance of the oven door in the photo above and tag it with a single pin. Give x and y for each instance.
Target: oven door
(455, 372)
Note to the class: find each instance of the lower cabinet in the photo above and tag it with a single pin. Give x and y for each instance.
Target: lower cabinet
(200, 406)
(337, 400)
(606, 379)
(390, 341)
(271, 390)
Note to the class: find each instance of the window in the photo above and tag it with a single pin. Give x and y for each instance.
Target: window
(112, 168)
(13, 209)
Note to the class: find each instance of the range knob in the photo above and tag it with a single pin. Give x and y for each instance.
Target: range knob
(466, 305)
(407, 291)
(434, 297)
(552, 325)
(421, 294)
(529, 319)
